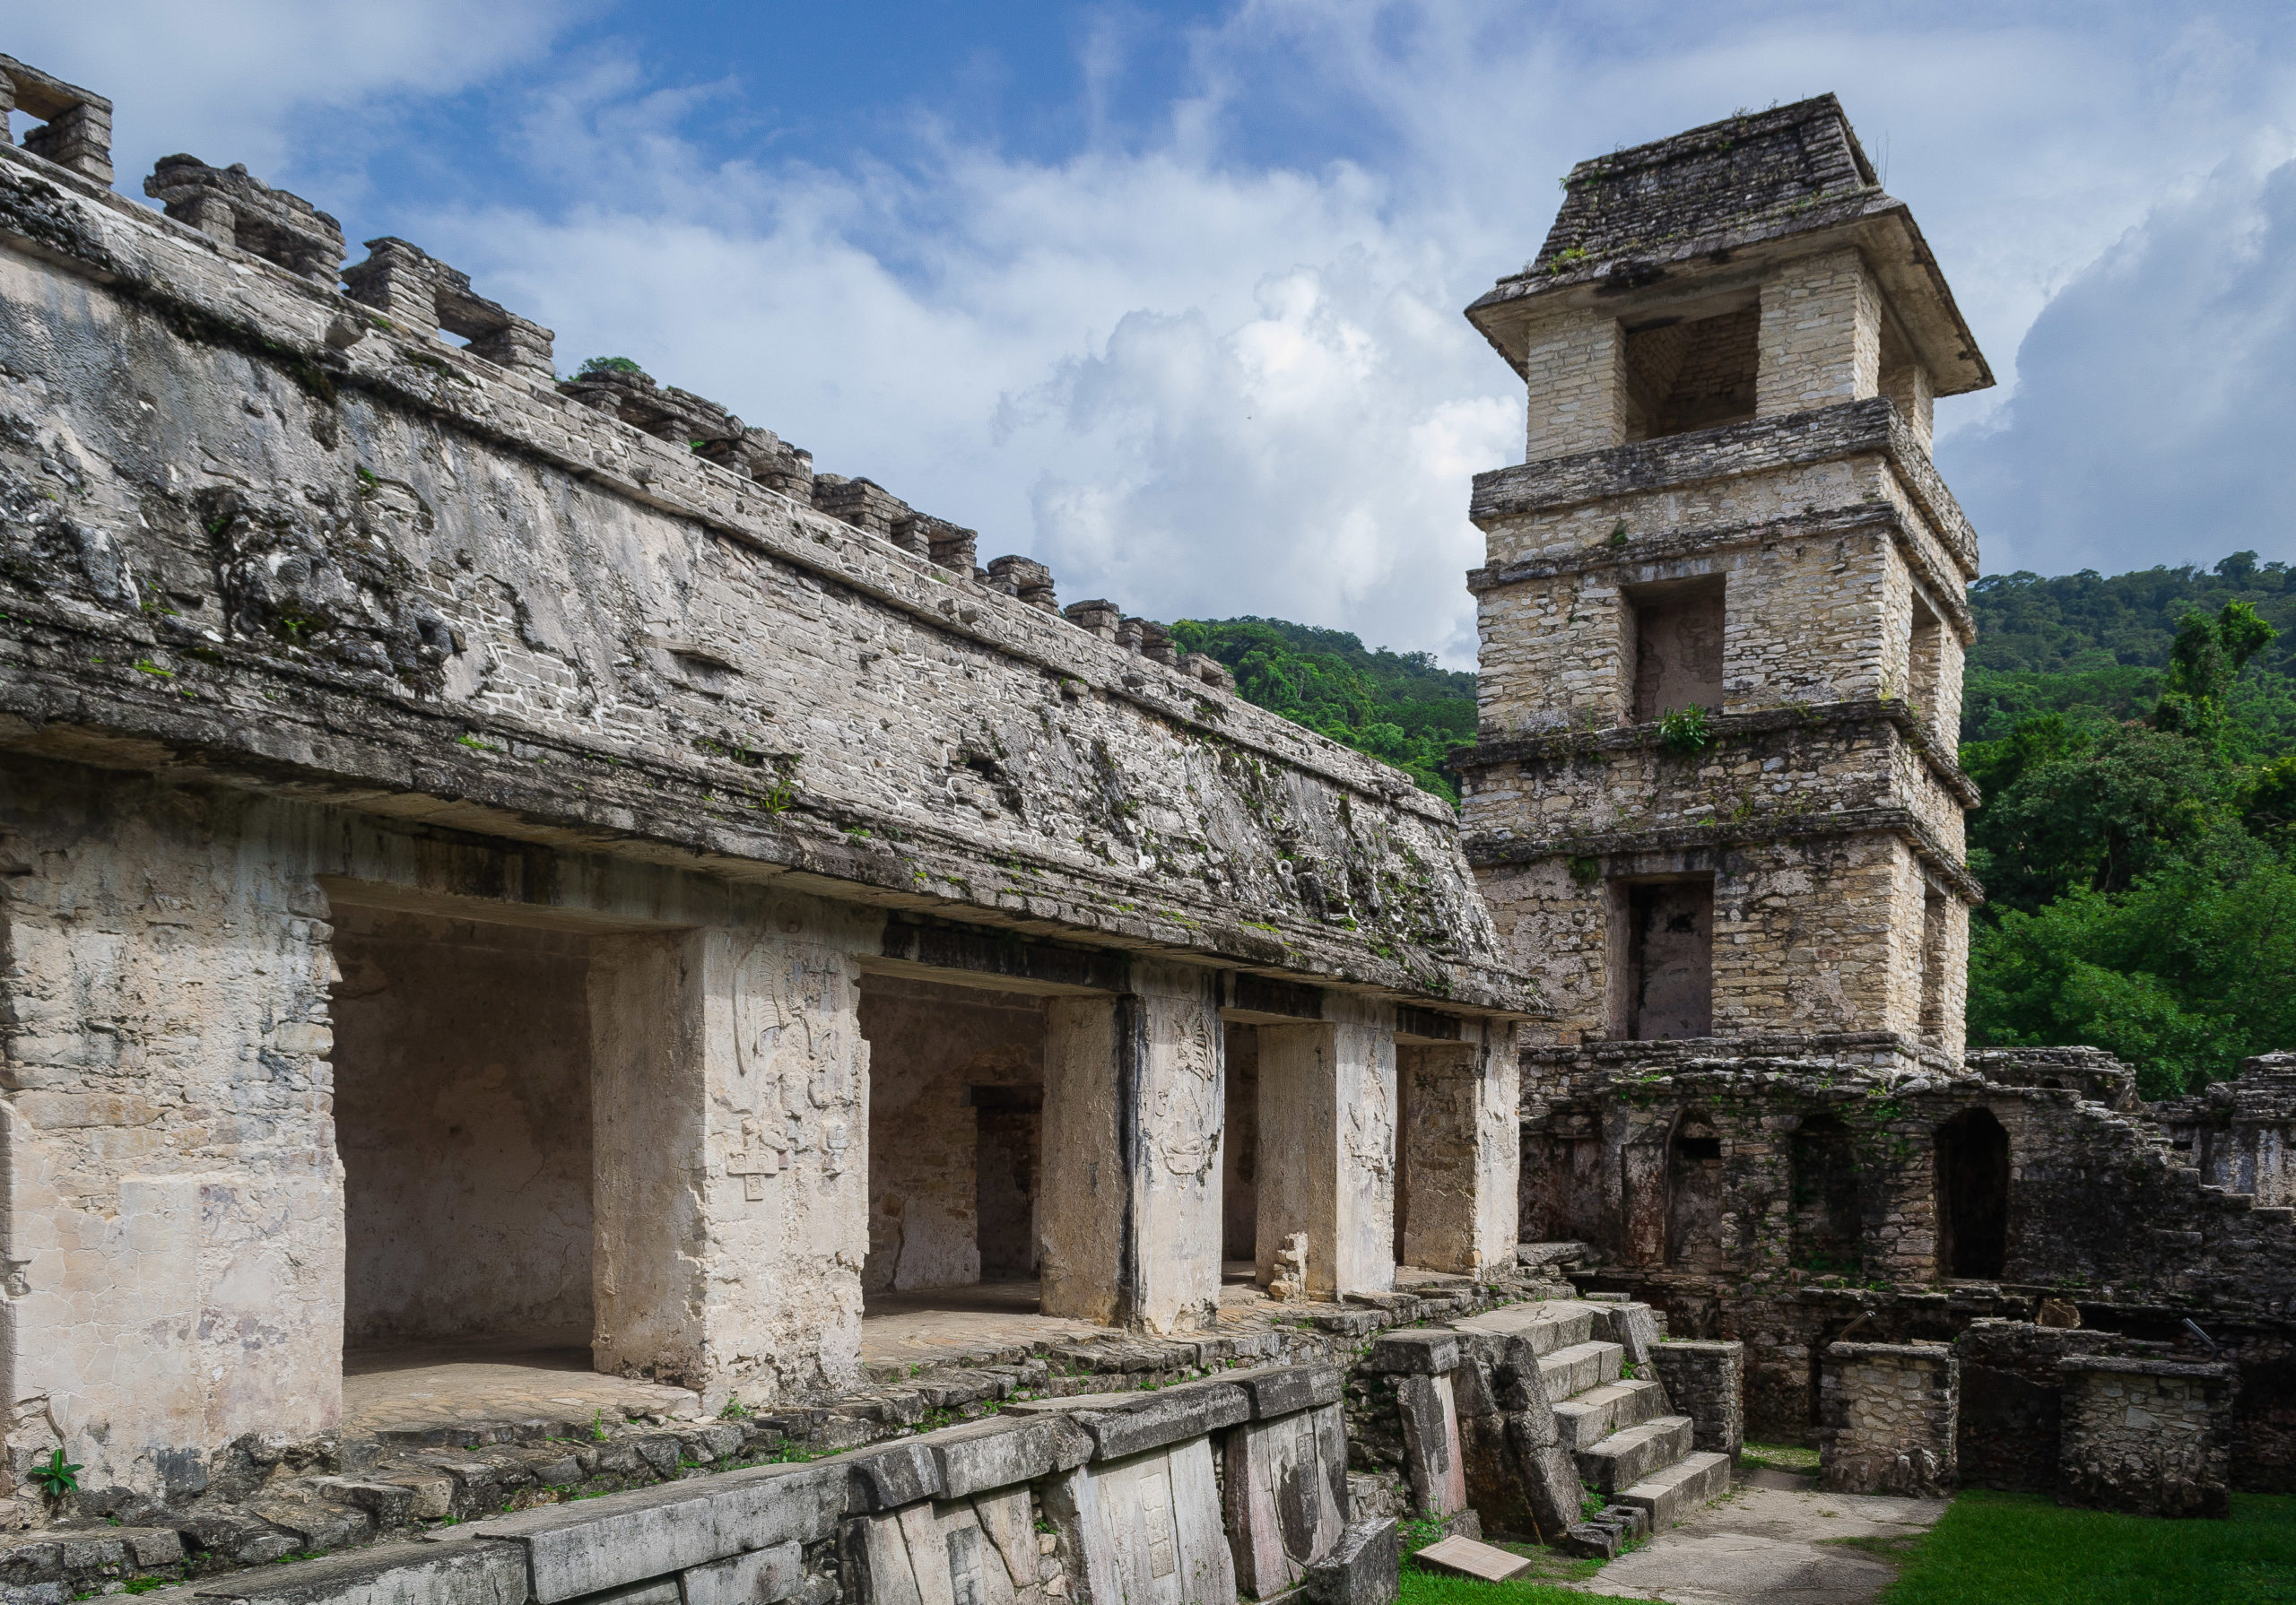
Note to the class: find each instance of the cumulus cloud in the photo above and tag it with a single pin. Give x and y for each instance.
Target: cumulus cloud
(2155, 404)
(1209, 360)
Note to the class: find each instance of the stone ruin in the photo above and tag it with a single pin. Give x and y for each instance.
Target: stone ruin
(494, 867)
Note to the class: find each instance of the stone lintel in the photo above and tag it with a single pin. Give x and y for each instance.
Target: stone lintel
(1015, 963)
(1567, 745)
(1491, 852)
(1427, 1025)
(1245, 992)
(2215, 1374)
(1865, 428)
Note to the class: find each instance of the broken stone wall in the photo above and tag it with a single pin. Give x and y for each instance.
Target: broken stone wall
(1886, 1419)
(2148, 1436)
(929, 1046)
(462, 1109)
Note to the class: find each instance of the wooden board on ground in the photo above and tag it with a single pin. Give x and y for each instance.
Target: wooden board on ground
(1467, 1558)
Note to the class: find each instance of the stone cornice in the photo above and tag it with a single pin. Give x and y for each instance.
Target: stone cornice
(1868, 427)
(1493, 851)
(1946, 590)
(1549, 745)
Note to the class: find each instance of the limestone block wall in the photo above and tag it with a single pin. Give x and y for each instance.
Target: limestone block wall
(1817, 935)
(1804, 622)
(1706, 1380)
(1103, 1497)
(1821, 333)
(462, 1105)
(1887, 1418)
(2013, 1398)
(173, 1203)
(2148, 1436)
(1786, 772)
(1576, 364)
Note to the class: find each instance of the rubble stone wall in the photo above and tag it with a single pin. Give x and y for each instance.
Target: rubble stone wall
(1705, 1380)
(1887, 1418)
(2148, 1436)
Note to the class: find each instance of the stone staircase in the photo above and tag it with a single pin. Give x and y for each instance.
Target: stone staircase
(1620, 1430)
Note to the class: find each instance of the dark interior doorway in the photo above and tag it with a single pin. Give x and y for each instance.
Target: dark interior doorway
(1828, 1236)
(1669, 959)
(1694, 1194)
(1973, 1195)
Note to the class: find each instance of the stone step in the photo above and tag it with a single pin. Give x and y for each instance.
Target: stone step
(1569, 1371)
(1598, 1412)
(1672, 1494)
(1626, 1457)
(1548, 1324)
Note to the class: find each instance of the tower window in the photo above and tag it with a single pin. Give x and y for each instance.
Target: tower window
(1684, 374)
(1669, 981)
(1675, 655)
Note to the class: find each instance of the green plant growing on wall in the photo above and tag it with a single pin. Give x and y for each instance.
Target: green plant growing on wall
(1686, 729)
(608, 364)
(55, 1475)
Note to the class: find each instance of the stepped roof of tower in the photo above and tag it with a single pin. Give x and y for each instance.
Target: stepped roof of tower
(1760, 185)
(1759, 175)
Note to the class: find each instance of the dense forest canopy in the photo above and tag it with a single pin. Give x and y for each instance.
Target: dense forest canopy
(2136, 740)
(1396, 705)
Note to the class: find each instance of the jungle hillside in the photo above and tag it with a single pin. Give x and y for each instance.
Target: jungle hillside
(2135, 736)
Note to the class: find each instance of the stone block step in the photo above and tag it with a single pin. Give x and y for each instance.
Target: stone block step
(1626, 1457)
(1598, 1412)
(1670, 1495)
(1548, 1324)
(1569, 1371)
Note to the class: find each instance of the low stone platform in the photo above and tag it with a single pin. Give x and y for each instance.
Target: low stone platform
(413, 1394)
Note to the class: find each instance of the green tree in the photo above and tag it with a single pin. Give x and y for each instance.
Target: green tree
(2142, 875)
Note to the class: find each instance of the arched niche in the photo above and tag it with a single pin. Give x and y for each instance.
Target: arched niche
(1972, 1195)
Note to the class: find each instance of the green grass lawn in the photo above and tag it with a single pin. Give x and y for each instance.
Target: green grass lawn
(2022, 1549)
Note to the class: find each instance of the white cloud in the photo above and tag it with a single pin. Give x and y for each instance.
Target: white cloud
(244, 80)
(1220, 369)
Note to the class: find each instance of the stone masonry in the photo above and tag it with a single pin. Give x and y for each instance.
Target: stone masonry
(1887, 1418)
(473, 848)
(1713, 792)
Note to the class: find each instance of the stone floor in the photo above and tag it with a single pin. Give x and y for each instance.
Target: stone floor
(931, 1326)
(1775, 1540)
(432, 1387)
(420, 1388)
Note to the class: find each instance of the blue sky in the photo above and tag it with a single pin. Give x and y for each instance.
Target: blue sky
(1168, 296)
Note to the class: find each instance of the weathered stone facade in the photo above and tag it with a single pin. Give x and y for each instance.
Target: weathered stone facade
(1715, 807)
(2146, 1435)
(482, 852)
(1721, 615)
